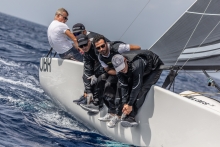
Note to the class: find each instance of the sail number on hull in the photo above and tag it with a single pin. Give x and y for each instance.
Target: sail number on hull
(45, 64)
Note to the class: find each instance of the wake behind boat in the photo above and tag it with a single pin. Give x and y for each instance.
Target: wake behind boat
(166, 119)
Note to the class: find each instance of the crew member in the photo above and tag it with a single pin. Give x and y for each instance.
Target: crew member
(136, 72)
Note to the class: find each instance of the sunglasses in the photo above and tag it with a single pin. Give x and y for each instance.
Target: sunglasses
(64, 17)
(84, 45)
(102, 46)
(77, 34)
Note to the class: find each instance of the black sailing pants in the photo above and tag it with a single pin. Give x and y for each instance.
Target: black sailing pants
(109, 93)
(98, 88)
(98, 91)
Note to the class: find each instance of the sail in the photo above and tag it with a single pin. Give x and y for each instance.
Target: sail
(193, 42)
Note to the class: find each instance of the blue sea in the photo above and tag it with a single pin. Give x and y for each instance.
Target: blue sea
(28, 117)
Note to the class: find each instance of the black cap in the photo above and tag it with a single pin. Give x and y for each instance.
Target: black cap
(82, 39)
(78, 28)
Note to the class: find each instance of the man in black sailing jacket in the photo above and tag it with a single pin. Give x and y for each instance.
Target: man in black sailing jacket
(106, 51)
(94, 85)
(77, 30)
(136, 72)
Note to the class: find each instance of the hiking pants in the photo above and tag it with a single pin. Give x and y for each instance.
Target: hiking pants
(110, 90)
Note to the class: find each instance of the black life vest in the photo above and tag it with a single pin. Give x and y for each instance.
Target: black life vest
(92, 54)
(152, 59)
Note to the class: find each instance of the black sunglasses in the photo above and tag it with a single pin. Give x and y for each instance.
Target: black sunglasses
(84, 45)
(77, 34)
(102, 46)
(64, 17)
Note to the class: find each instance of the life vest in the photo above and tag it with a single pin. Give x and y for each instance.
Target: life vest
(152, 59)
(91, 53)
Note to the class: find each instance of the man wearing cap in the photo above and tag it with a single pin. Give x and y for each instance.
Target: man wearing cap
(136, 72)
(78, 29)
(106, 51)
(91, 75)
(58, 33)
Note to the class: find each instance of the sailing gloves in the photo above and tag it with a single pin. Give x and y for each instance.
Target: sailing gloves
(89, 98)
(93, 79)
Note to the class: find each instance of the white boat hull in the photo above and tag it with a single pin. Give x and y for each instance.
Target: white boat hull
(166, 119)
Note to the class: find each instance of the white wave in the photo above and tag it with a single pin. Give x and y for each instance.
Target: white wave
(13, 100)
(58, 125)
(27, 85)
(59, 120)
(3, 97)
(10, 45)
(10, 99)
(11, 63)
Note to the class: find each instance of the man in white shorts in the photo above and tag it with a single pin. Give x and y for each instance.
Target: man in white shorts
(58, 33)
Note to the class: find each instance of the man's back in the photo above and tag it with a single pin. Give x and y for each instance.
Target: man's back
(57, 37)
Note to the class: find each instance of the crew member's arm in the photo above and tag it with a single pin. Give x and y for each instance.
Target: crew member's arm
(123, 83)
(137, 74)
(124, 86)
(110, 71)
(127, 47)
(73, 38)
(134, 47)
(138, 71)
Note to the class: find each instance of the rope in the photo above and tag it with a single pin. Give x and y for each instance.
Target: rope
(209, 34)
(188, 73)
(134, 19)
(192, 34)
(202, 42)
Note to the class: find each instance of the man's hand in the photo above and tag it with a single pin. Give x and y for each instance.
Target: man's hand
(127, 109)
(89, 98)
(81, 51)
(93, 79)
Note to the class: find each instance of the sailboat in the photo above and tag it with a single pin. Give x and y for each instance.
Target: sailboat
(166, 119)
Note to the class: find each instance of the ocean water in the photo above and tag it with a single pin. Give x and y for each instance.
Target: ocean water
(28, 117)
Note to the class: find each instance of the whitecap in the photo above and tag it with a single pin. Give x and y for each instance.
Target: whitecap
(59, 120)
(27, 85)
(11, 63)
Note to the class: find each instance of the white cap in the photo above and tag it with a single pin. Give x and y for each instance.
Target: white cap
(118, 62)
